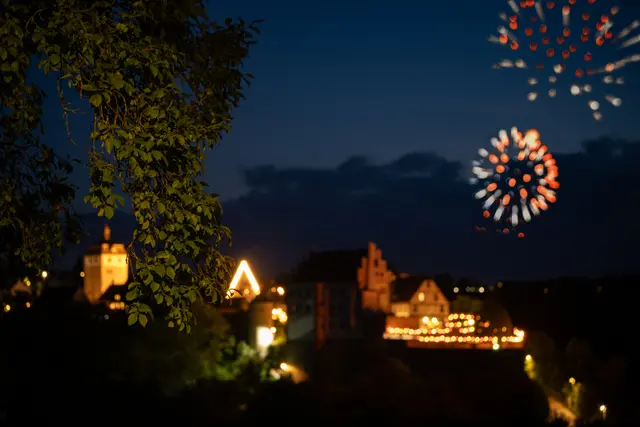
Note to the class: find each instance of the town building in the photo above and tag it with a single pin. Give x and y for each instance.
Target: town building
(328, 291)
(105, 265)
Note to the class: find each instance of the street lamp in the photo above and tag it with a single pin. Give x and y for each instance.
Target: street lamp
(603, 411)
(44, 274)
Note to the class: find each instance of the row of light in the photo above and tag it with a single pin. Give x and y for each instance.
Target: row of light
(464, 323)
(410, 334)
(469, 289)
(475, 340)
(116, 305)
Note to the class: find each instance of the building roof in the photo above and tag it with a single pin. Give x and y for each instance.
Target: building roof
(112, 291)
(329, 266)
(403, 289)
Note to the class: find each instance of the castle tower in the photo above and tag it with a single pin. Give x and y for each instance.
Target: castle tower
(374, 280)
(105, 265)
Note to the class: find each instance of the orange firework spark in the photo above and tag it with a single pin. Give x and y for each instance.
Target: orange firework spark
(518, 177)
(569, 39)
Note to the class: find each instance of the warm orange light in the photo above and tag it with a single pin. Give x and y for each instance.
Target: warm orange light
(244, 269)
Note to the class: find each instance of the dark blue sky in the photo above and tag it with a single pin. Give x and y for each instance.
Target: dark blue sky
(409, 85)
(337, 78)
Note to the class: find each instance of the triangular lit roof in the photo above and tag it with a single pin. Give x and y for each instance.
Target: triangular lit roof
(244, 270)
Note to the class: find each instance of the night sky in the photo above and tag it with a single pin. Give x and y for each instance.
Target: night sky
(383, 80)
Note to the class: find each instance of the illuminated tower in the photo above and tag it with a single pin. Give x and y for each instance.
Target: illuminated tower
(374, 280)
(105, 265)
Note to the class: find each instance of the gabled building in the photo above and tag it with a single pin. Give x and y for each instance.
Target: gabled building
(418, 297)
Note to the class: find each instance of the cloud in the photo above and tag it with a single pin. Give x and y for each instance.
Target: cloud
(420, 210)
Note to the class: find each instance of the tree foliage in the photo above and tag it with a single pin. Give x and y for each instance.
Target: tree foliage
(161, 80)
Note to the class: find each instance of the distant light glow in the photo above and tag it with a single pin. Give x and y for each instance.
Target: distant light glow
(244, 269)
(264, 337)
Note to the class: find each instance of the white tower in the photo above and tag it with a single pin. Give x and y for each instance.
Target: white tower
(105, 265)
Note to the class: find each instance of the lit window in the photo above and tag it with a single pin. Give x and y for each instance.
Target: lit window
(421, 296)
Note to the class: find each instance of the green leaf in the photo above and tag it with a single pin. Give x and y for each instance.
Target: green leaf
(132, 319)
(160, 270)
(108, 212)
(96, 100)
(143, 320)
(149, 140)
(192, 295)
(151, 112)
